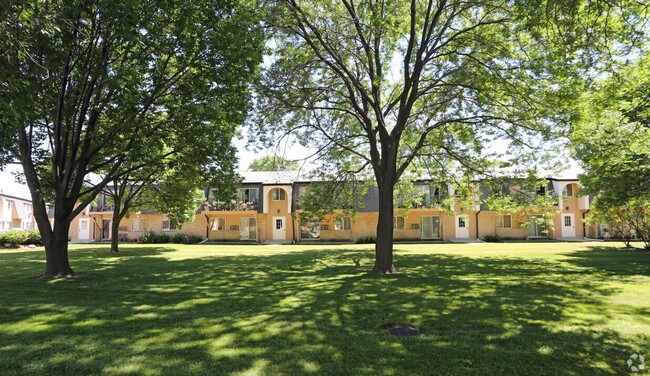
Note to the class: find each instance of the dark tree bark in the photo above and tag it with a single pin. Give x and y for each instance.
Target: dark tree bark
(384, 245)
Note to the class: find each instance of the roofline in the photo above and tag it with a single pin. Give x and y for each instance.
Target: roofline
(16, 197)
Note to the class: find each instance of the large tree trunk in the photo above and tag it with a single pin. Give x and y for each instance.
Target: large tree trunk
(56, 251)
(115, 226)
(384, 245)
(115, 233)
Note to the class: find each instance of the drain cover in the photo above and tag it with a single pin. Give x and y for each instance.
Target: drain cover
(404, 331)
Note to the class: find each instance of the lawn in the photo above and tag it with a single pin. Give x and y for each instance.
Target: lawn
(483, 309)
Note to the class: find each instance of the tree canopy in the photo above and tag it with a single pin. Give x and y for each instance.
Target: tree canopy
(612, 143)
(382, 86)
(87, 86)
(273, 163)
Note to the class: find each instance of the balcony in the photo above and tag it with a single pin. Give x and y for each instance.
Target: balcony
(232, 206)
(101, 208)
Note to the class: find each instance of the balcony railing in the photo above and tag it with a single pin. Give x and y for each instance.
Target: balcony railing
(233, 206)
(101, 208)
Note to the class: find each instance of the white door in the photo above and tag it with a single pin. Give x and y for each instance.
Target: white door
(462, 226)
(279, 231)
(568, 225)
(84, 229)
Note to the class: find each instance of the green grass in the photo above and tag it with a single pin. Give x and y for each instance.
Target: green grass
(486, 309)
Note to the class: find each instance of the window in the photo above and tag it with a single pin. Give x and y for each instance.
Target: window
(27, 207)
(342, 223)
(430, 227)
(278, 224)
(309, 230)
(536, 227)
(541, 190)
(279, 194)
(301, 192)
(219, 224)
(168, 224)
(461, 222)
(138, 224)
(398, 223)
(568, 191)
(567, 220)
(505, 221)
(429, 195)
(26, 225)
(10, 204)
(245, 195)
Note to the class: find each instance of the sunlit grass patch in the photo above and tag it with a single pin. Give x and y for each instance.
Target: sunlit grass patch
(555, 308)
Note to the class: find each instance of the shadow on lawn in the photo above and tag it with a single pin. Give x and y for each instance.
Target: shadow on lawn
(616, 261)
(313, 312)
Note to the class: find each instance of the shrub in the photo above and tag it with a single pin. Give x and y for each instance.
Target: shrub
(14, 238)
(492, 238)
(150, 237)
(366, 240)
(177, 238)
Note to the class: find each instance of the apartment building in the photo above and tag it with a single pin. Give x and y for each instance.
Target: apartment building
(16, 213)
(265, 209)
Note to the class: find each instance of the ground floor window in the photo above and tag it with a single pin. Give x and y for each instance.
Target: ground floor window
(138, 224)
(342, 223)
(219, 224)
(505, 221)
(168, 224)
(309, 230)
(398, 223)
(247, 229)
(430, 227)
(536, 229)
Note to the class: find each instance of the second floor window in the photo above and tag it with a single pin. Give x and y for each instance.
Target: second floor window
(279, 194)
(245, 195)
(568, 191)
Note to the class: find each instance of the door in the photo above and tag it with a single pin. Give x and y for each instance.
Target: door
(430, 227)
(106, 229)
(462, 226)
(568, 225)
(247, 229)
(84, 229)
(279, 231)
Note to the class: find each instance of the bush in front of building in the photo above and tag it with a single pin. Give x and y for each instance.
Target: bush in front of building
(151, 237)
(367, 240)
(492, 238)
(14, 238)
(185, 239)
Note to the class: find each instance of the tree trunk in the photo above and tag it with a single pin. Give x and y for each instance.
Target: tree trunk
(115, 233)
(384, 245)
(56, 251)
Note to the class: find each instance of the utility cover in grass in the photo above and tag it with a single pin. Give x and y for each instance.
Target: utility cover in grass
(404, 331)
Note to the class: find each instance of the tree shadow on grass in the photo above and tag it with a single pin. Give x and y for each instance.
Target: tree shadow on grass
(312, 312)
(613, 261)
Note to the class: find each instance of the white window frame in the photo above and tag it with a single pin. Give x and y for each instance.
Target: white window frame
(279, 194)
(568, 191)
(342, 224)
(502, 222)
(138, 224)
(216, 226)
(169, 225)
(396, 223)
